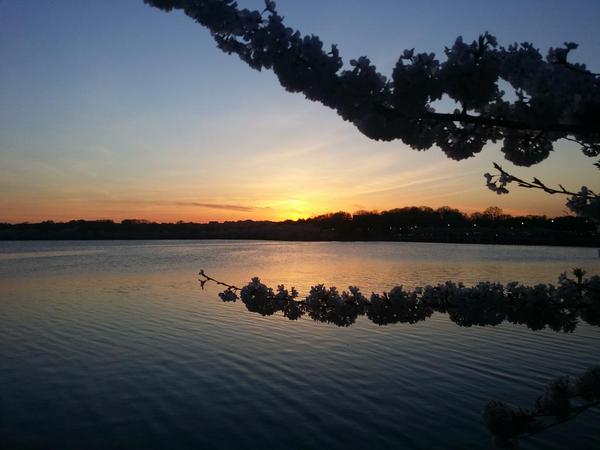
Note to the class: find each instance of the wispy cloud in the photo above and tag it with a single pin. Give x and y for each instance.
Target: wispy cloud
(223, 206)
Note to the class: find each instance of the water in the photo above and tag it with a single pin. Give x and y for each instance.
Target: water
(113, 345)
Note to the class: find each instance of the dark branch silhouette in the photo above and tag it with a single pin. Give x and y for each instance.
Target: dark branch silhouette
(558, 307)
(206, 278)
(555, 98)
(505, 178)
(585, 203)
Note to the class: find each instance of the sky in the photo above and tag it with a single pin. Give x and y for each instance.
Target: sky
(112, 109)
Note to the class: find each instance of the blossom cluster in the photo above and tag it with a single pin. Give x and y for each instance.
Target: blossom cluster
(498, 183)
(553, 98)
(262, 299)
(585, 205)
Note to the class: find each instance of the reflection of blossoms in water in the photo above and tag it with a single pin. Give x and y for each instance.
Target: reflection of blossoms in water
(543, 305)
(588, 386)
(563, 398)
(556, 400)
(228, 295)
(558, 307)
(397, 306)
(328, 305)
(506, 422)
(262, 299)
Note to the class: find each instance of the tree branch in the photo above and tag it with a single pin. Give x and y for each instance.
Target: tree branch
(498, 122)
(206, 278)
(537, 184)
(563, 98)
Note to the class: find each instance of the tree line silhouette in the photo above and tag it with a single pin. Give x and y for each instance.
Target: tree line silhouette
(417, 224)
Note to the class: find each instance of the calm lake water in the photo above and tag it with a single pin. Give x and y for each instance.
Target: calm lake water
(113, 345)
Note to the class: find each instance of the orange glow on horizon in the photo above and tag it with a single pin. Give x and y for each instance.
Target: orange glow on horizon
(289, 209)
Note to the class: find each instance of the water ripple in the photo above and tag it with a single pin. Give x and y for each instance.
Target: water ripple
(114, 345)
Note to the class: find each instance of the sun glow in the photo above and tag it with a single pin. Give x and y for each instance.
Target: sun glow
(295, 208)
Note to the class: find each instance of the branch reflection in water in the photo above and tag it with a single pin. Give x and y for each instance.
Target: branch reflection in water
(558, 307)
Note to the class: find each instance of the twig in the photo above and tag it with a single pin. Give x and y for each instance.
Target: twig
(588, 149)
(207, 278)
(537, 184)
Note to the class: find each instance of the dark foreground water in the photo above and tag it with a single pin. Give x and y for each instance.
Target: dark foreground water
(113, 345)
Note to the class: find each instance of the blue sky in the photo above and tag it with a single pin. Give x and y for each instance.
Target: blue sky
(113, 109)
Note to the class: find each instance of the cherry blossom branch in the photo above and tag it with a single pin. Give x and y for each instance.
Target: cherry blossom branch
(491, 121)
(505, 178)
(206, 278)
(554, 97)
(588, 149)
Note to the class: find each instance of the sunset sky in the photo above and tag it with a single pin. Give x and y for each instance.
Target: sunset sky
(113, 109)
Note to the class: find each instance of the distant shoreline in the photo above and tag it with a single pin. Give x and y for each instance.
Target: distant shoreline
(541, 243)
(418, 224)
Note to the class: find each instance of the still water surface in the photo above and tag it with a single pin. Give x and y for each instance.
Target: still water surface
(113, 345)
